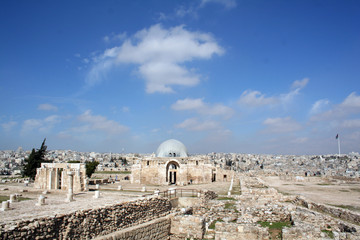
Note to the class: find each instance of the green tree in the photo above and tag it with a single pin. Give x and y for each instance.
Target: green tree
(124, 161)
(90, 168)
(34, 161)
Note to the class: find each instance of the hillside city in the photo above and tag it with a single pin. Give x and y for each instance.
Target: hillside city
(347, 165)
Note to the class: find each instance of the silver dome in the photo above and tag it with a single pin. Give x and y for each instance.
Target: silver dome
(171, 148)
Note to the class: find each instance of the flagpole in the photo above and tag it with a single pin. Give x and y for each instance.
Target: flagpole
(339, 144)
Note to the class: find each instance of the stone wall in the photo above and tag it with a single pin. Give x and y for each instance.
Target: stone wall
(158, 229)
(87, 224)
(233, 231)
(333, 211)
(188, 171)
(187, 226)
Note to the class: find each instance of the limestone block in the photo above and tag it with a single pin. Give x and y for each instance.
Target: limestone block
(5, 205)
(13, 198)
(97, 194)
(41, 200)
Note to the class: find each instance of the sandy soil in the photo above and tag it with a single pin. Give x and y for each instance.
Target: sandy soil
(319, 190)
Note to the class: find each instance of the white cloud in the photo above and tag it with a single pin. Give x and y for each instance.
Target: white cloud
(9, 125)
(300, 83)
(125, 109)
(114, 37)
(47, 107)
(351, 105)
(99, 123)
(297, 86)
(199, 106)
(188, 104)
(352, 102)
(160, 54)
(257, 99)
(183, 11)
(281, 125)
(227, 3)
(352, 123)
(155, 130)
(42, 125)
(319, 106)
(193, 124)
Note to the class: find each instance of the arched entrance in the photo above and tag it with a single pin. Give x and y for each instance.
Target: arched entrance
(172, 172)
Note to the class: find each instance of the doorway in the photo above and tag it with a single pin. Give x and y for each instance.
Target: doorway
(171, 172)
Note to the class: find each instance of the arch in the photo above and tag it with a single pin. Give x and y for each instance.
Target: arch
(172, 168)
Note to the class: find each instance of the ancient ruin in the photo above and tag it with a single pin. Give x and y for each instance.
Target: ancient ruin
(172, 165)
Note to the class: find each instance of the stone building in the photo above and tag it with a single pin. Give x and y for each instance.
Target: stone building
(172, 165)
(55, 176)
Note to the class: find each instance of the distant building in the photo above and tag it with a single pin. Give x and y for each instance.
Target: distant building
(172, 165)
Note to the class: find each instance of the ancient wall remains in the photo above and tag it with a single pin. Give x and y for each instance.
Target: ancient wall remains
(333, 211)
(158, 229)
(87, 224)
(233, 231)
(55, 176)
(187, 226)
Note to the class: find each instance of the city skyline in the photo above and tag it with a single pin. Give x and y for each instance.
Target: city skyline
(219, 75)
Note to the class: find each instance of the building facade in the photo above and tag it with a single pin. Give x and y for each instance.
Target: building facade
(172, 165)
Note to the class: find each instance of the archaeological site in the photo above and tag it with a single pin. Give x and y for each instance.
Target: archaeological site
(173, 195)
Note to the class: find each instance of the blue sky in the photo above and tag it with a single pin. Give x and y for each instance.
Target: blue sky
(280, 77)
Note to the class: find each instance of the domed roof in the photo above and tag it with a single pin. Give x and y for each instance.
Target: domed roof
(171, 148)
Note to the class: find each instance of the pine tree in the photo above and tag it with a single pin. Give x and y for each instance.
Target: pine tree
(34, 161)
(90, 168)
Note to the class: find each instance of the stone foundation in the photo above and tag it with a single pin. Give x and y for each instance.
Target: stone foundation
(187, 226)
(158, 229)
(87, 224)
(333, 211)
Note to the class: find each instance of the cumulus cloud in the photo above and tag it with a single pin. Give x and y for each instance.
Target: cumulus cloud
(160, 55)
(8, 126)
(99, 123)
(193, 124)
(199, 106)
(351, 105)
(300, 83)
(257, 99)
(281, 125)
(42, 125)
(319, 106)
(47, 107)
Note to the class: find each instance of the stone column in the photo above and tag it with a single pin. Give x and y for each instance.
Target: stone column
(13, 198)
(56, 178)
(97, 194)
(41, 201)
(70, 195)
(50, 178)
(5, 205)
(86, 184)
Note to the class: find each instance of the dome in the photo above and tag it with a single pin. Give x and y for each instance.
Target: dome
(171, 148)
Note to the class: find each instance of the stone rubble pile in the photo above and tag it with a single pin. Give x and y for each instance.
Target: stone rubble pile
(239, 216)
